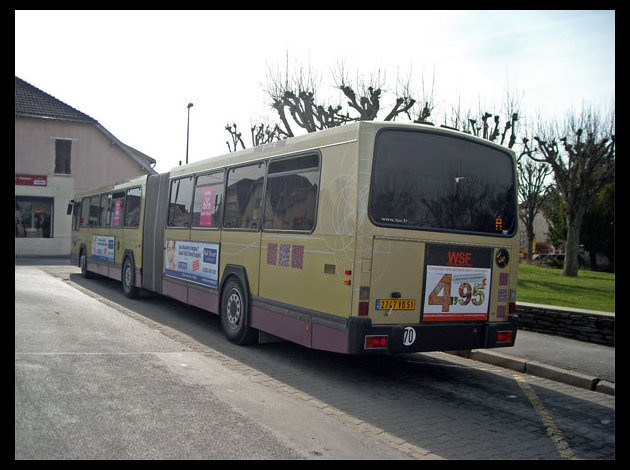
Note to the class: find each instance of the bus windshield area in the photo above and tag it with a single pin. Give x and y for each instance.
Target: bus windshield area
(433, 181)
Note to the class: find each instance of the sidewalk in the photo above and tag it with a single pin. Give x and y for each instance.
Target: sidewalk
(578, 363)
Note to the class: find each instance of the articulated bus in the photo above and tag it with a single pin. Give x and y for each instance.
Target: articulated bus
(373, 237)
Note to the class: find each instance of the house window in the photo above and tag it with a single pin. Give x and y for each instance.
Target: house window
(62, 156)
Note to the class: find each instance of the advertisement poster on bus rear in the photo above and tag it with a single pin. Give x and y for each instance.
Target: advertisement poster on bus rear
(457, 283)
(192, 261)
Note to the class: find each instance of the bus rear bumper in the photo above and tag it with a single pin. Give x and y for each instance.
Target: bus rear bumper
(365, 338)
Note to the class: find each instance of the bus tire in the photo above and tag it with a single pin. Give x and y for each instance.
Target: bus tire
(235, 314)
(83, 265)
(128, 278)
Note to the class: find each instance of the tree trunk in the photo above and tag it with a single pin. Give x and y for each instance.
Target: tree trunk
(572, 248)
(530, 246)
(530, 238)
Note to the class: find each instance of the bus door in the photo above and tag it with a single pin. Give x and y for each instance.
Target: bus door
(242, 223)
(205, 240)
(116, 235)
(99, 248)
(178, 261)
(131, 233)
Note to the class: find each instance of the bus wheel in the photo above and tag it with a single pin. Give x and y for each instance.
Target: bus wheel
(83, 265)
(235, 314)
(129, 279)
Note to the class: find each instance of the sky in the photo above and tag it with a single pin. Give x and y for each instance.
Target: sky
(136, 71)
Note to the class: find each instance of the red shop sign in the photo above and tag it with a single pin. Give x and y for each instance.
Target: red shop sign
(30, 180)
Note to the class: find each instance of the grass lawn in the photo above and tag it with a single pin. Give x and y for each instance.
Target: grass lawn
(543, 285)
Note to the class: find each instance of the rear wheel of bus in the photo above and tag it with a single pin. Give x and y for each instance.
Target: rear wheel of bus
(235, 314)
(129, 279)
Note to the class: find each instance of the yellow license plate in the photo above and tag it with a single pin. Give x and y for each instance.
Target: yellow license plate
(395, 304)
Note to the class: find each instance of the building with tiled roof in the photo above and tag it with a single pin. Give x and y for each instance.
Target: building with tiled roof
(60, 150)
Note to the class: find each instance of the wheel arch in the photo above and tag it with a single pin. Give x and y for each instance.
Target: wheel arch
(240, 273)
(128, 254)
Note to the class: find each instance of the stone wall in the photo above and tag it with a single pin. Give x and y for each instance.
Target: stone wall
(583, 325)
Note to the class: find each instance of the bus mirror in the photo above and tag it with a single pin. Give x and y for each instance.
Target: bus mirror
(69, 210)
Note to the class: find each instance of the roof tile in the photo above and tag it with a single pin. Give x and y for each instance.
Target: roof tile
(30, 101)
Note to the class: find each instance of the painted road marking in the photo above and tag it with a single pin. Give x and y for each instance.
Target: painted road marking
(553, 431)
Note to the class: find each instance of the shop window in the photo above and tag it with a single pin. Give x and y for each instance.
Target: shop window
(33, 217)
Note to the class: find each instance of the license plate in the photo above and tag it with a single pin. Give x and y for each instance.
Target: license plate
(395, 304)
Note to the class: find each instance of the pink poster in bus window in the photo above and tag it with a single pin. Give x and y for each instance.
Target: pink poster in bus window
(117, 205)
(207, 201)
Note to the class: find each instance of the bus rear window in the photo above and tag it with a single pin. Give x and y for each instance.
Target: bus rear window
(431, 181)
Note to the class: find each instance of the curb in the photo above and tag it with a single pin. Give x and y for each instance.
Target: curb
(538, 369)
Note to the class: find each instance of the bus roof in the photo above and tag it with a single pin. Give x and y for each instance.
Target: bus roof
(333, 136)
(138, 181)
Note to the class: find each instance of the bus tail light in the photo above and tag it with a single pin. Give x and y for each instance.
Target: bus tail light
(504, 336)
(376, 342)
(364, 301)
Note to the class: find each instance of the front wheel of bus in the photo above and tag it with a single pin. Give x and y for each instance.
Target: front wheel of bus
(83, 265)
(235, 314)
(129, 279)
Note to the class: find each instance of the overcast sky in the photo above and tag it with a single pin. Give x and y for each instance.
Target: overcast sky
(136, 71)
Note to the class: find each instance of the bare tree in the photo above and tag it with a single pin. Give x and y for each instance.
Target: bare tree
(365, 96)
(294, 97)
(532, 190)
(264, 133)
(236, 137)
(582, 158)
(293, 94)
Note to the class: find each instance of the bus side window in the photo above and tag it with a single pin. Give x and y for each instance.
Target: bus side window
(243, 199)
(85, 212)
(208, 201)
(117, 209)
(105, 198)
(132, 208)
(180, 200)
(76, 215)
(95, 206)
(291, 199)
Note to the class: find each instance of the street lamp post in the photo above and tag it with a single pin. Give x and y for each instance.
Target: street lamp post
(190, 105)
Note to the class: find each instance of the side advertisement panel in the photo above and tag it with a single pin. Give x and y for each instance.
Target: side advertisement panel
(192, 261)
(103, 248)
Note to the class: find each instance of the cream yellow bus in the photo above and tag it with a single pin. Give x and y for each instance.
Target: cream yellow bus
(107, 232)
(373, 237)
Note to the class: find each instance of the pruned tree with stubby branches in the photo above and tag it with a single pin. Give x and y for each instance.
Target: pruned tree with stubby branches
(533, 189)
(294, 97)
(581, 155)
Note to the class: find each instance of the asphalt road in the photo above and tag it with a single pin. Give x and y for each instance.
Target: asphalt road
(99, 376)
